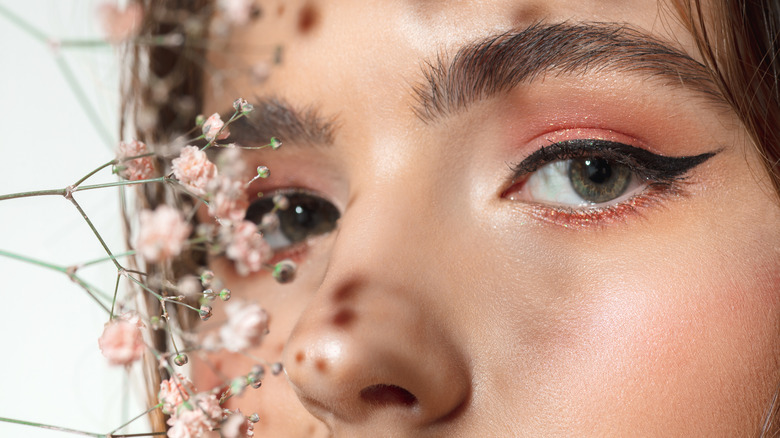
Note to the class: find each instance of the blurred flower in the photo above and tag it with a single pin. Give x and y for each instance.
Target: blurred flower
(200, 414)
(237, 12)
(194, 170)
(162, 234)
(138, 169)
(173, 392)
(120, 25)
(212, 126)
(228, 200)
(247, 248)
(247, 324)
(237, 426)
(121, 342)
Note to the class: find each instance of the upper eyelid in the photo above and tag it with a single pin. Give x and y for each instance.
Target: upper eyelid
(653, 166)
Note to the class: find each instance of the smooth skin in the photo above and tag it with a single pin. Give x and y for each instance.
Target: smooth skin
(449, 302)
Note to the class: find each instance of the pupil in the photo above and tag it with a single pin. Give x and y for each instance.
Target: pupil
(598, 170)
(597, 180)
(303, 216)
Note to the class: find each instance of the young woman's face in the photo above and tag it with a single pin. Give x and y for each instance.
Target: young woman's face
(556, 233)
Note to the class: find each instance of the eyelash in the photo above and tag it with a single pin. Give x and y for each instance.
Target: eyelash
(663, 176)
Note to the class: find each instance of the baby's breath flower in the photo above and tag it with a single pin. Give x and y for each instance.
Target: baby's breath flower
(247, 248)
(173, 392)
(194, 170)
(121, 342)
(237, 12)
(237, 426)
(137, 169)
(228, 199)
(212, 127)
(162, 234)
(246, 326)
(200, 414)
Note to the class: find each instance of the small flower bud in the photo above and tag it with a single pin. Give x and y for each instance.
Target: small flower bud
(276, 368)
(275, 143)
(254, 418)
(156, 322)
(224, 294)
(205, 313)
(206, 277)
(200, 120)
(238, 385)
(281, 202)
(284, 271)
(181, 359)
(269, 222)
(263, 171)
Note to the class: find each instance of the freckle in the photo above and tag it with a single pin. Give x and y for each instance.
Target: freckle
(280, 10)
(280, 348)
(320, 365)
(343, 317)
(311, 429)
(307, 18)
(299, 356)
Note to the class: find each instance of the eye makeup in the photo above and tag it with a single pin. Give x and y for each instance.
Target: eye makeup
(653, 167)
(656, 178)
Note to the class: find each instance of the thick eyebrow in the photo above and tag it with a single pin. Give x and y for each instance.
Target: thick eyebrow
(275, 117)
(494, 65)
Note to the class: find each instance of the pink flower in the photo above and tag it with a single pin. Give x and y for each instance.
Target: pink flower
(237, 12)
(247, 248)
(202, 413)
(194, 170)
(228, 199)
(212, 126)
(138, 169)
(237, 426)
(121, 341)
(246, 326)
(162, 234)
(119, 26)
(173, 392)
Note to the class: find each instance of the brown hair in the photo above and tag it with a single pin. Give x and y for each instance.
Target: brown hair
(162, 92)
(738, 40)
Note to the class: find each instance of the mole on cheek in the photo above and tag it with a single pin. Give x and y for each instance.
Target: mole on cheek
(307, 18)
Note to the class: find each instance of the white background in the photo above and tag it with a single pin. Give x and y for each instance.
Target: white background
(51, 370)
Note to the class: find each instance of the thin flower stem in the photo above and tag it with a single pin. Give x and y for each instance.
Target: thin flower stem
(107, 258)
(95, 231)
(113, 300)
(81, 97)
(76, 279)
(91, 291)
(146, 288)
(49, 426)
(120, 183)
(33, 261)
(24, 25)
(59, 192)
(131, 435)
(111, 434)
(86, 177)
(83, 44)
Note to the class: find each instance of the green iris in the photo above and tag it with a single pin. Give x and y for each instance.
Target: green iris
(596, 180)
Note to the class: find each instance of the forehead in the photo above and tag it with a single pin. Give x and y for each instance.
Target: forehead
(347, 52)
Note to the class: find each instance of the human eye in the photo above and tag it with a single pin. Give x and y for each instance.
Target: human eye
(306, 215)
(585, 180)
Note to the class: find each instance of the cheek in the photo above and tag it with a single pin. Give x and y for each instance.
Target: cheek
(682, 333)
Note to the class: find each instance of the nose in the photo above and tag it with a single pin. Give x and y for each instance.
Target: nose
(376, 349)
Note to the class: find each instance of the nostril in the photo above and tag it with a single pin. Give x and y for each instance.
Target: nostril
(388, 395)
